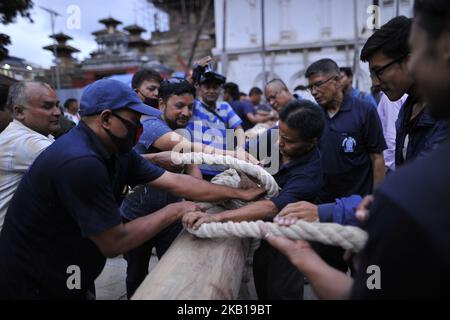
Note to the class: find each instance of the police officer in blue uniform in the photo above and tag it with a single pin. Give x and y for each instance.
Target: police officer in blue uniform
(352, 144)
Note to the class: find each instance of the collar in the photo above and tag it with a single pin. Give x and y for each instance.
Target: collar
(346, 106)
(425, 118)
(94, 141)
(24, 127)
(347, 103)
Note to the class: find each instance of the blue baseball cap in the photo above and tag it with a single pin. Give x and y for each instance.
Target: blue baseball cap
(113, 95)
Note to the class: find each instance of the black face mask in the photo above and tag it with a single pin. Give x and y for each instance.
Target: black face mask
(134, 132)
(152, 102)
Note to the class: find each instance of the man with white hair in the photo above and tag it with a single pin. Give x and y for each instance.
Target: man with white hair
(35, 108)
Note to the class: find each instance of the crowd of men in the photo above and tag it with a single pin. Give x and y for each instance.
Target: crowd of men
(108, 186)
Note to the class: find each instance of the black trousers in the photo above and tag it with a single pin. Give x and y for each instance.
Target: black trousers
(276, 278)
(139, 258)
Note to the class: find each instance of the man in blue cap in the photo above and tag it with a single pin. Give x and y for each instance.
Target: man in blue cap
(64, 219)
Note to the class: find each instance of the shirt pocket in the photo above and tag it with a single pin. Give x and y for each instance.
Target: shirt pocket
(349, 143)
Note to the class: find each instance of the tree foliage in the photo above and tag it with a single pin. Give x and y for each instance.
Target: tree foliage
(9, 10)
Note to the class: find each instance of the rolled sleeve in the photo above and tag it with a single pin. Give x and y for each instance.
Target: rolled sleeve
(232, 118)
(154, 128)
(326, 212)
(141, 171)
(343, 211)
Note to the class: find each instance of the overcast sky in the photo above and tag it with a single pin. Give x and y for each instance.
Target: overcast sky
(29, 38)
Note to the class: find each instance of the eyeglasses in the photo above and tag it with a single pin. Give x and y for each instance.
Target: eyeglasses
(318, 84)
(378, 72)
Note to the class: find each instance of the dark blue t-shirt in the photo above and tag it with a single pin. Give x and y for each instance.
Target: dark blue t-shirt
(408, 230)
(71, 192)
(300, 179)
(349, 138)
(242, 108)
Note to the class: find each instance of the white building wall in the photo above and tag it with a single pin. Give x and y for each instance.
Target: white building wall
(298, 32)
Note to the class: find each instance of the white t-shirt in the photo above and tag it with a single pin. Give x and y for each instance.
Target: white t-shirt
(72, 117)
(20, 146)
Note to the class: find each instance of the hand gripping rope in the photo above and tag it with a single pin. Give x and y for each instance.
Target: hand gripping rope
(347, 237)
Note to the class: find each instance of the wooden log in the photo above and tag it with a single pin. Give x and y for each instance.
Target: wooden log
(197, 269)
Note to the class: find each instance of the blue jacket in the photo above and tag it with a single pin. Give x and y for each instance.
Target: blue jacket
(343, 211)
(425, 133)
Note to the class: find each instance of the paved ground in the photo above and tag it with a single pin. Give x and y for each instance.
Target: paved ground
(110, 285)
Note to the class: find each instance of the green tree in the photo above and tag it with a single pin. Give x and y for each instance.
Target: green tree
(9, 9)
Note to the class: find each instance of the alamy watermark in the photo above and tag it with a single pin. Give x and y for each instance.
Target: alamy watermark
(74, 279)
(374, 280)
(374, 20)
(73, 22)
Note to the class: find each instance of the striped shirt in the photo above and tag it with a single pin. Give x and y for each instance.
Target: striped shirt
(211, 129)
(20, 147)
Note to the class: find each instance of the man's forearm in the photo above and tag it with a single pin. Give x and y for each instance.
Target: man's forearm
(126, 237)
(194, 171)
(200, 190)
(328, 283)
(256, 211)
(240, 137)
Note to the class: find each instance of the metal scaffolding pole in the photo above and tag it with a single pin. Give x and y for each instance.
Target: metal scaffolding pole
(224, 40)
(263, 35)
(53, 15)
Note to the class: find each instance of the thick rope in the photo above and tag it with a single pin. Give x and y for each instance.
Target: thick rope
(266, 180)
(230, 177)
(347, 237)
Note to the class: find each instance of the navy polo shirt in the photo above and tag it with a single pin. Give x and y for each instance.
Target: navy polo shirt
(349, 138)
(408, 230)
(300, 179)
(424, 132)
(242, 108)
(71, 192)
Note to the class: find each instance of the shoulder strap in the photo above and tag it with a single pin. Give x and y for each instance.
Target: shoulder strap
(216, 114)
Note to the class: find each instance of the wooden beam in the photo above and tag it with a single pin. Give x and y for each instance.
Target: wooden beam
(197, 269)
